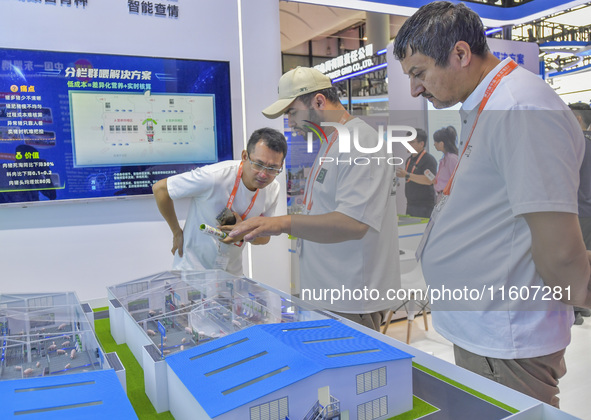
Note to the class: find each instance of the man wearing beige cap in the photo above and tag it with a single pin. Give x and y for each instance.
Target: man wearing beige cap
(347, 244)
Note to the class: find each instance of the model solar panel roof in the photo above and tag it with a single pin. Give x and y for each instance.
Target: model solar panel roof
(88, 395)
(231, 371)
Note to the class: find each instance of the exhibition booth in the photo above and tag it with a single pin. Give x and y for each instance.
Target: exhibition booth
(99, 100)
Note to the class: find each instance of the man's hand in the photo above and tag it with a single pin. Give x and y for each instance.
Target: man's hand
(257, 227)
(328, 228)
(559, 254)
(177, 243)
(416, 178)
(228, 229)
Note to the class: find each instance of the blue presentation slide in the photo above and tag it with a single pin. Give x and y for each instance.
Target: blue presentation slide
(81, 125)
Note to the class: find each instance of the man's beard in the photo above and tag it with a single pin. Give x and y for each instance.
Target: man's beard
(313, 117)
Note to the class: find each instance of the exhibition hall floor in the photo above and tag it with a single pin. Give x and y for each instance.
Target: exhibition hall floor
(575, 393)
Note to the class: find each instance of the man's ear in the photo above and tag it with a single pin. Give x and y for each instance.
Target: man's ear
(319, 101)
(462, 53)
(244, 155)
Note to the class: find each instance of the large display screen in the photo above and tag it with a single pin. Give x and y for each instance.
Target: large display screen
(80, 125)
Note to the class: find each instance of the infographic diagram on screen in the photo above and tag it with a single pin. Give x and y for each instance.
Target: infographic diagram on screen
(142, 129)
(79, 125)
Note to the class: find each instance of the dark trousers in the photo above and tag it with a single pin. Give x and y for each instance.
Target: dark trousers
(537, 376)
(419, 211)
(372, 320)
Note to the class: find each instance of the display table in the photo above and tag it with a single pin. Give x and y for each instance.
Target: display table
(237, 304)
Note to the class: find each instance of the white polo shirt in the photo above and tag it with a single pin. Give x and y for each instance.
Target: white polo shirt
(209, 188)
(523, 157)
(364, 192)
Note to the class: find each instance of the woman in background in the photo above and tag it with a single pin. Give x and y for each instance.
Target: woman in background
(445, 141)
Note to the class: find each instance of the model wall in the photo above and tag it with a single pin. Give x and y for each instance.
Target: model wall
(342, 382)
(86, 246)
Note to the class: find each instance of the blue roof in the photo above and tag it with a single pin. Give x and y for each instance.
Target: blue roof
(87, 395)
(231, 371)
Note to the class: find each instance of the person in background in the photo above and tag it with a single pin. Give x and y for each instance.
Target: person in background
(225, 193)
(582, 112)
(445, 142)
(419, 173)
(509, 220)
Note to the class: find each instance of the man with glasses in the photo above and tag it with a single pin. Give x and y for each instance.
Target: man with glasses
(234, 189)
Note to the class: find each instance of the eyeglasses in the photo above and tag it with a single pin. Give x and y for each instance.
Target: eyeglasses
(260, 168)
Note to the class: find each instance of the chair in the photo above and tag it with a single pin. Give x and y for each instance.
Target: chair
(412, 282)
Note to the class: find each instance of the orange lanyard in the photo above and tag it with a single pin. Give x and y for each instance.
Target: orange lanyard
(509, 67)
(415, 164)
(333, 138)
(235, 190)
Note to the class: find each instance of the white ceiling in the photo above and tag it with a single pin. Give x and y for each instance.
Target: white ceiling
(390, 7)
(579, 17)
(301, 22)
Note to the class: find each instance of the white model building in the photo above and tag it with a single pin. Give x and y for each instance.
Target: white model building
(51, 365)
(291, 370)
(193, 307)
(170, 312)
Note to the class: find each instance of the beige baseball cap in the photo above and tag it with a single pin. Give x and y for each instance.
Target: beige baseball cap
(294, 83)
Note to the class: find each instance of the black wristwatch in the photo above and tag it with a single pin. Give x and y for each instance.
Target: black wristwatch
(407, 176)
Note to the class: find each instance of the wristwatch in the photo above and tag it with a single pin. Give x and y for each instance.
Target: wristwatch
(407, 176)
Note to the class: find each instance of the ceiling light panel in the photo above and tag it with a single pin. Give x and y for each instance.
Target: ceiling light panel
(579, 17)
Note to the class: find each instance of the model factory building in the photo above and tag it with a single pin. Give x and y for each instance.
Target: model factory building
(51, 365)
(292, 370)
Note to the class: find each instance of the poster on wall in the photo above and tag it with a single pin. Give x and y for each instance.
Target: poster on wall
(83, 126)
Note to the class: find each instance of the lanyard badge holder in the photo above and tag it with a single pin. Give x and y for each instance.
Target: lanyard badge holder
(309, 190)
(233, 195)
(508, 68)
(227, 217)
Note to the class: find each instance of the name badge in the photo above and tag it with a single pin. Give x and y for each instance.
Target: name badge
(222, 259)
(321, 176)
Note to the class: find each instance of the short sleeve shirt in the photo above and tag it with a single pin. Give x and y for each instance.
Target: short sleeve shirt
(524, 156)
(209, 188)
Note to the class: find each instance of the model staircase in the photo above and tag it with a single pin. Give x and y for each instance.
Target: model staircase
(328, 412)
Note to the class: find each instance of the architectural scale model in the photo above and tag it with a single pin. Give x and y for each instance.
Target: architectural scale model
(217, 346)
(51, 364)
(300, 370)
(185, 313)
(179, 310)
